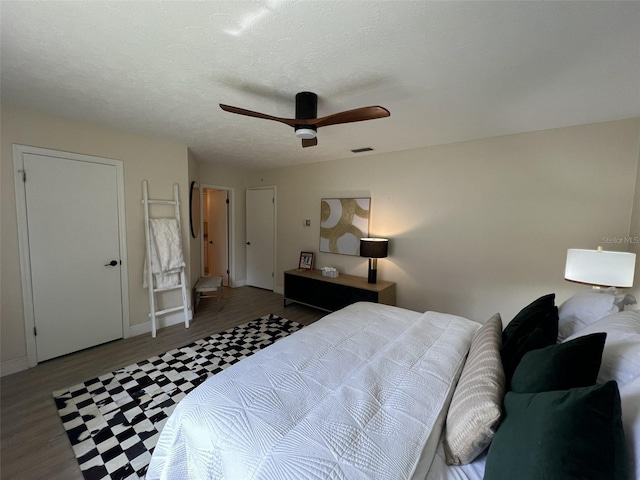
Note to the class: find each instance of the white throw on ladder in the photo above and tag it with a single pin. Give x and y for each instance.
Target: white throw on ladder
(164, 262)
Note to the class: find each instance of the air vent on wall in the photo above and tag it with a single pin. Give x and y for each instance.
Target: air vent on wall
(360, 150)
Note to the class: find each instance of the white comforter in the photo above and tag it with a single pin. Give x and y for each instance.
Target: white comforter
(360, 394)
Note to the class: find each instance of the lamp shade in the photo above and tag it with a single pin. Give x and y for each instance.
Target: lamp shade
(374, 247)
(599, 267)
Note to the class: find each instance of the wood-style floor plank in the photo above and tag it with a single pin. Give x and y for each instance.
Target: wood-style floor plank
(33, 443)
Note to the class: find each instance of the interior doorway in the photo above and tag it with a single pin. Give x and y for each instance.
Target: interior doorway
(216, 254)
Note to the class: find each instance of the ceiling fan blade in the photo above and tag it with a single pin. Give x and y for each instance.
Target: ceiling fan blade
(309, 142)
(241, 111)
(356, 115)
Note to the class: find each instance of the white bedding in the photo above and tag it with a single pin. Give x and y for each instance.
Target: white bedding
(360, 394)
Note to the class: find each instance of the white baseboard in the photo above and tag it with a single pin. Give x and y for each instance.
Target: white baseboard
(239, 283)
(165, 321)
(19, 364)
(14, 366)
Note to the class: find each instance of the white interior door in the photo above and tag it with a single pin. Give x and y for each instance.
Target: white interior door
(261, 238)
(73, 231)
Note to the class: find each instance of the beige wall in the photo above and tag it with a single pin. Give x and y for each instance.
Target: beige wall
(634, 233)
(475, 227)
(159, 162)
(194, 262)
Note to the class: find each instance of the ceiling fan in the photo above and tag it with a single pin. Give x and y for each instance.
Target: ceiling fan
(306, 123)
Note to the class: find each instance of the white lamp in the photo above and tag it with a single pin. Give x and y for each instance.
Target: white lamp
(600, 268)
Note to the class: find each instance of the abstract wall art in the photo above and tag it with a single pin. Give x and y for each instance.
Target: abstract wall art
(343, 222)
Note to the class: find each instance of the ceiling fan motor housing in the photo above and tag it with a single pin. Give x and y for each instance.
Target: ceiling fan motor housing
(306, 108)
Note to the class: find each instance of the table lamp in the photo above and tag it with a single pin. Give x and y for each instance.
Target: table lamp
(600, 268)
(373, 248)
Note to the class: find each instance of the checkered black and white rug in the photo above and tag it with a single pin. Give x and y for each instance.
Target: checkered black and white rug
(113, 421)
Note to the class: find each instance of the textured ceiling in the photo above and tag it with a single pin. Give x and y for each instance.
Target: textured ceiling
(447, 71)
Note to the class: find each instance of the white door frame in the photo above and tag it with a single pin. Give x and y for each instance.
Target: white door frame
(23, 237)
(230, 233)
(275, 226)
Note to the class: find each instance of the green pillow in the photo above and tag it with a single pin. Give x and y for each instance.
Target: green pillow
(538, 329)
(525, 320)
(560, 435)
(575, 363)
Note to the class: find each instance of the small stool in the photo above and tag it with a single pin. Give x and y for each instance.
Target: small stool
(209, 287)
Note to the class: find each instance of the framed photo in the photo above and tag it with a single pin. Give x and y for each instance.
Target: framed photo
(306, 261)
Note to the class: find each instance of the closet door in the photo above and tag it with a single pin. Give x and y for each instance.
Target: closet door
(261, 237)
(74, 251)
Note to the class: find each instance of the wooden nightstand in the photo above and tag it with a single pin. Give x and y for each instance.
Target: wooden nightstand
(309, 287)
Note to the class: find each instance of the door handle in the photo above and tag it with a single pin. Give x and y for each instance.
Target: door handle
(112, 263)
(248, 243)
(211, 242)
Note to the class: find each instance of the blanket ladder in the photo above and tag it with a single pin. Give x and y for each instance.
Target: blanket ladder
(154, 314)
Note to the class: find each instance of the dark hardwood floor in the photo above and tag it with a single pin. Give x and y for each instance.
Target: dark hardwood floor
(33, 443)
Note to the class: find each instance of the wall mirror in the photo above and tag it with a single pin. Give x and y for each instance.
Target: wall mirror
(194, 209)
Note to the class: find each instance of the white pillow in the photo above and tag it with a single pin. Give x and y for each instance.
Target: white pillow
(630, 397)
(621, 355)
(583, 309)
(476, 406)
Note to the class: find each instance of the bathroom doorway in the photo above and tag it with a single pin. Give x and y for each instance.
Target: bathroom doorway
(215, 233)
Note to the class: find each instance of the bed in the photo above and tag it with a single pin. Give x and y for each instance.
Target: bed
(379, 392)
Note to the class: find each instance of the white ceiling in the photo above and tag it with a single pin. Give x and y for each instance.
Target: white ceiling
(447, 71)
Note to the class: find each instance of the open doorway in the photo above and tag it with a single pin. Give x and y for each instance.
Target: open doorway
(215, 233)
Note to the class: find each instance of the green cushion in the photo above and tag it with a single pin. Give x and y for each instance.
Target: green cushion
(575, 363)
(560, 435)
(523, 320)
(536, 326)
